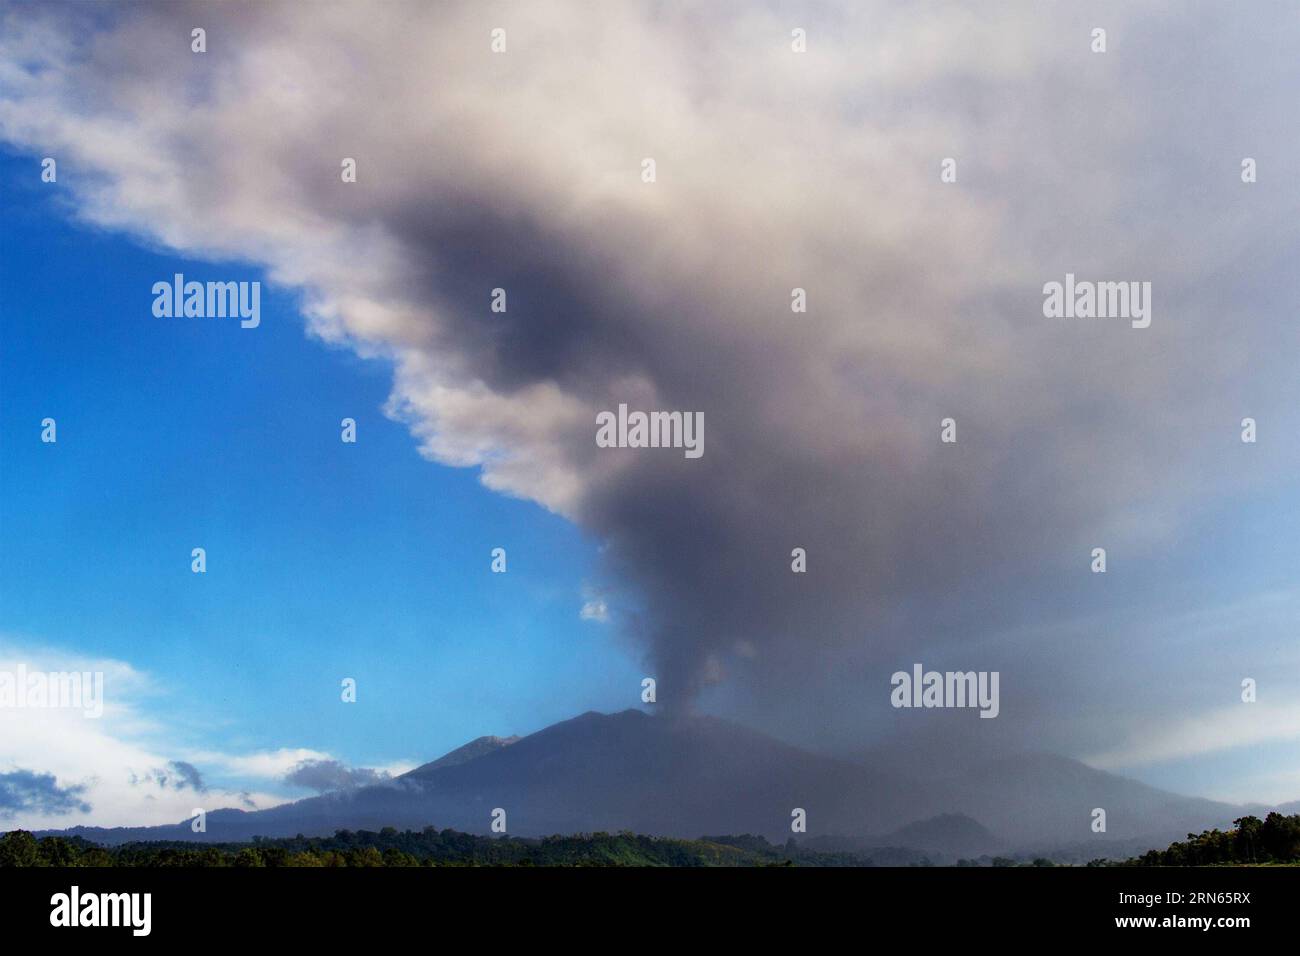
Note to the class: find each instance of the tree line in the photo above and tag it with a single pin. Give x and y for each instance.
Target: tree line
(428, 847)
(1251, 841)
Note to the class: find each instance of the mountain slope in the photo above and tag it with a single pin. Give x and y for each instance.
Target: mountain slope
(659, 775)
(1044, 799)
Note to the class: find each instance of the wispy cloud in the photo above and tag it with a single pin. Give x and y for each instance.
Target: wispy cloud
(327, 775)
(1225, 728)
(594, 606)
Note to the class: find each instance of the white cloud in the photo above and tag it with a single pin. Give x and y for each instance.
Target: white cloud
(594, 610)
(267, 765)
(123, 760)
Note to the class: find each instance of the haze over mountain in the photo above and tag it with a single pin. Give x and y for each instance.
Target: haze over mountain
(690, 776)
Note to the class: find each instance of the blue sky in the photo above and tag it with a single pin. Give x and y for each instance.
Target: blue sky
(325, 560)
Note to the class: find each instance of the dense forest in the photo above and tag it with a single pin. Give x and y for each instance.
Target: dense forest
(429, 847)
(1251, 841)
(1273, 840)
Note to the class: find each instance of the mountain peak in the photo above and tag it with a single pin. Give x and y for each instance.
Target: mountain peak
(476, 748)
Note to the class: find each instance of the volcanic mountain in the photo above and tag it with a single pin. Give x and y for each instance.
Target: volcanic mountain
(689, 776)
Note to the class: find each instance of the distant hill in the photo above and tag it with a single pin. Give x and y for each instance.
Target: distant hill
(952, 834)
